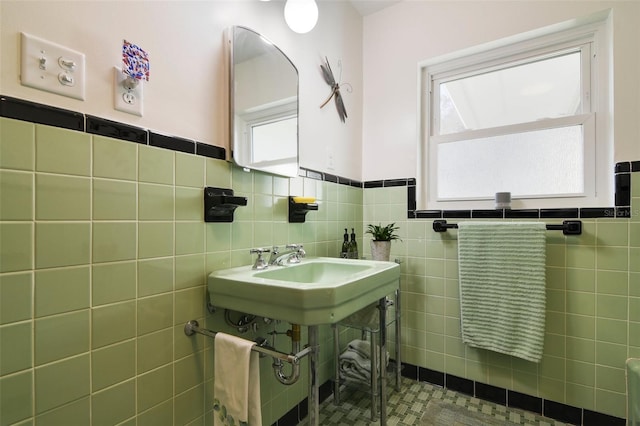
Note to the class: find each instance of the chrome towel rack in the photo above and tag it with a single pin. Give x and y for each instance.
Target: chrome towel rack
(568, 227)
(192, 327)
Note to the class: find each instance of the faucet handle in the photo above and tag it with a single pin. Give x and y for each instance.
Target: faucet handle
(299, 249)
(259, 250)
(297, 254)
(260, 262)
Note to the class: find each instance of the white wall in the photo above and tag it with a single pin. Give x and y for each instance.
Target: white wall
(187, 92)
(396, 39)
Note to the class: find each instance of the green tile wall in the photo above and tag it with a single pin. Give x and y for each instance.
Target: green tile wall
(593, 307)
(104, 255)
(103, 258)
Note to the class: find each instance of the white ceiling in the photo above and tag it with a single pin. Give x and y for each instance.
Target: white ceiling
(367, 7)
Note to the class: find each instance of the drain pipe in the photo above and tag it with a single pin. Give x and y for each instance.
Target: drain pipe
(278, 365)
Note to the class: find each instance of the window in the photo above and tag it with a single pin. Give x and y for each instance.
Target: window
(269, 132)
(528, 117)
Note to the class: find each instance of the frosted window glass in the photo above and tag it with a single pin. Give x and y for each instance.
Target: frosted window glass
(543, 162)
(547, 88)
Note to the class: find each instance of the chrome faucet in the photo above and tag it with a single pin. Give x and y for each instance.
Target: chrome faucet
(260, 262)
(295, 253)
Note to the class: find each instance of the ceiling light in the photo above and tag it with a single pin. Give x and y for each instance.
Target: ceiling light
(301, 15)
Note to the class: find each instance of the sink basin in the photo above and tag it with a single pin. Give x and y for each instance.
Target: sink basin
(319, 290)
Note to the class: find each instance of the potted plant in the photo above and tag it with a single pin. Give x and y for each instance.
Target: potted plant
(382, 237)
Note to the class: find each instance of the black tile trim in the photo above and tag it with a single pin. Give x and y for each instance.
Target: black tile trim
(388, 183)
(623, 167)
(326, 390)
(349, 182)
(211, 151)
(559, 213)
(428, 214)
(522, 214)
(591, 418)
(593, 212)
(409, 371)
(113, 129)
(411, 197)
(314, 174)
(330, 178)
(566, 213)
(459, 384)
(395, 182)
(635, 166)
(374, 184)
(172, 142)
(554, 410)
(487, 214)
(456, 214)
(19, 109)
(623, 212)
(564, 413)
(491, 393)
(623, 189)
(290, 418)
(431, 376)
(303, 410)
(524, 402)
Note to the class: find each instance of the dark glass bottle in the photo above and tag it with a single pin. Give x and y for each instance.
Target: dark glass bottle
(344, 253)
(353, 246)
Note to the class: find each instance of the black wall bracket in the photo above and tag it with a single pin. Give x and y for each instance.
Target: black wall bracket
(220, 204)
(298, 211)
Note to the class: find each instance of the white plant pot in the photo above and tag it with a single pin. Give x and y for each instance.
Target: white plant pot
(380, 250)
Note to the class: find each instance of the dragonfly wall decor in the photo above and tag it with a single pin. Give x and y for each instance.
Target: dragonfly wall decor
(327, 73)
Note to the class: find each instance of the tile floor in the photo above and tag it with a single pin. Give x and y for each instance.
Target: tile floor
(405, 408)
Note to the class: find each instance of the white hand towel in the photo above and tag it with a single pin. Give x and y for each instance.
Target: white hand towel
(237, 382)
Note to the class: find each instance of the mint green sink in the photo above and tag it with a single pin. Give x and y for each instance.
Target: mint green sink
(319, 290)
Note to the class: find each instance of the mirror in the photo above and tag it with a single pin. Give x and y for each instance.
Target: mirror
(263, 86)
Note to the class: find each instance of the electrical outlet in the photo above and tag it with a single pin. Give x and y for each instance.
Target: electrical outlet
(48, 66)
(330, 165)
(127, 97)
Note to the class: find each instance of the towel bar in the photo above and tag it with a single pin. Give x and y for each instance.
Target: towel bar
(568, 227)
(192, 327)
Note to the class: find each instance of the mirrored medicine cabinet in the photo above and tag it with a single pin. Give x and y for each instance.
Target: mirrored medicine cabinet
(263, 89)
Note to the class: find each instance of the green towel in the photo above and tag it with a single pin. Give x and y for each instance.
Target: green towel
(502, 286)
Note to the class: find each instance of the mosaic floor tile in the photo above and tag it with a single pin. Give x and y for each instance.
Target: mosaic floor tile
(406, 407)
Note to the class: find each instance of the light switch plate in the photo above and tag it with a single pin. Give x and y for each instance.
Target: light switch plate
(51, 67)
(126, 99)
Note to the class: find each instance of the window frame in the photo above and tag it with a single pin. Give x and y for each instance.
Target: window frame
(591, 37)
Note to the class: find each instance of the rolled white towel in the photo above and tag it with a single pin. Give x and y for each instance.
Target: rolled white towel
(361, 347)
(354, 366)
(355, 375)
